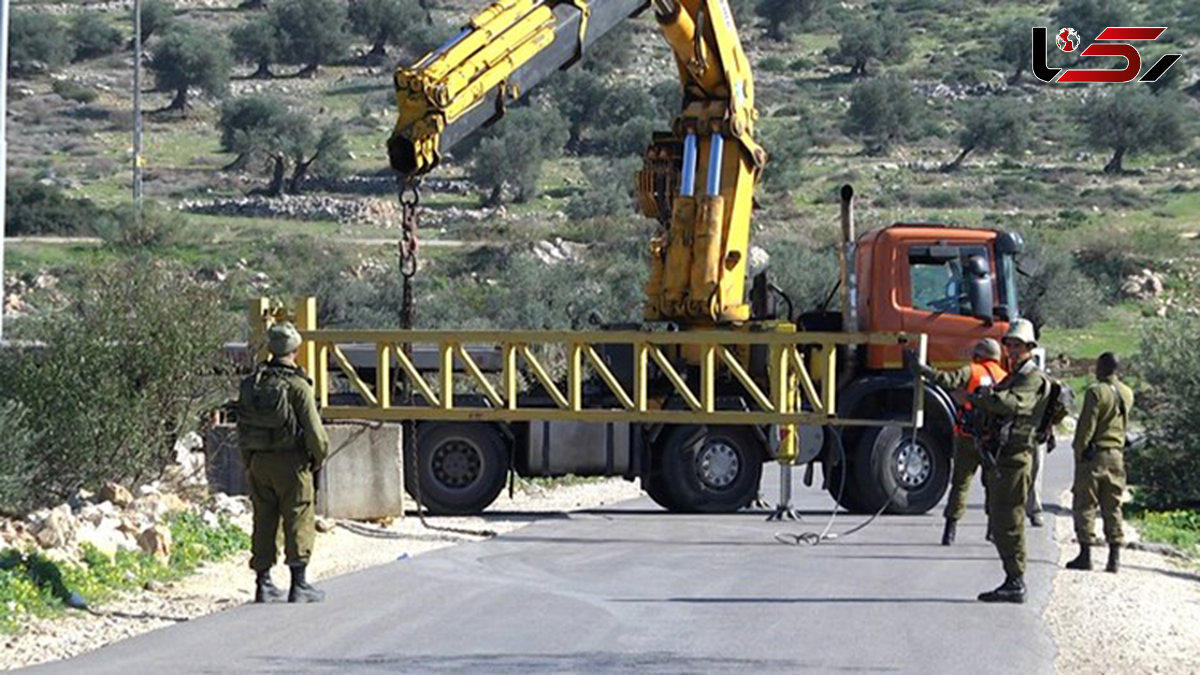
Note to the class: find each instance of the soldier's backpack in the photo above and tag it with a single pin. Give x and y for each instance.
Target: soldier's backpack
(265, 419)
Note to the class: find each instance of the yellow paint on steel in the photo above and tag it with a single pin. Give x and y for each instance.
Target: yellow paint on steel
(446, 374)
(544, 378)
(807, 387)
(352, 375)
(673, 376)
(383, 375)
(609, 379)
(689, 337)
(510, 375)
(477, 374)
(746, 381)
(575, 376)
(414, 377)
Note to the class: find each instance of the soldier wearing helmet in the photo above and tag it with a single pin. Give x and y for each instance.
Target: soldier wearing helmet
(1014, 407)
(984, 370)
(282, 442)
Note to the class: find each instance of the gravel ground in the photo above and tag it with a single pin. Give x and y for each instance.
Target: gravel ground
(227, 584)
(1146, 619)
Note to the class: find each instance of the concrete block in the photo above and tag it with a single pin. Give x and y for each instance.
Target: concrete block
(364, 476)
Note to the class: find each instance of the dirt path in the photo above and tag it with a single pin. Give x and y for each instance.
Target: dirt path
(1146, 619)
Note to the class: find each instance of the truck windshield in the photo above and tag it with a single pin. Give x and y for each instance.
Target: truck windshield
(1008, 284)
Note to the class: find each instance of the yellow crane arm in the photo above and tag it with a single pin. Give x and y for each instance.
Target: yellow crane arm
(697, 180)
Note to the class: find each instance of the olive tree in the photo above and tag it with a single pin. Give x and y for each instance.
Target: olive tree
(37, 42)
(1133, 121)
(878, 38)
(190, 56)
(261, 129)
(312, 32)
(514, 153)
(992, 125)
(882, 112)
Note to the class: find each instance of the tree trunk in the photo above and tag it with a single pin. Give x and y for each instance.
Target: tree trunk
(308, 71)
(379, 49)
(859, 68)
(263, 72)
(1016, 76)
(237, 164)
(180, 101)
(954, 166)
(298, 175)
(276, 186)
(495, 197)
(1114, 164)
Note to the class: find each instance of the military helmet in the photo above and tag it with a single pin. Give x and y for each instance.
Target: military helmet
(283, 338)
(1021, 329)
(988, 349)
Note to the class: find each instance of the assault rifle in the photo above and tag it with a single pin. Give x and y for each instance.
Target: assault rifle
(974, 422)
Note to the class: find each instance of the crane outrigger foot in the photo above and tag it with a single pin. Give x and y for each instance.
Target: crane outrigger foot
(783, 510)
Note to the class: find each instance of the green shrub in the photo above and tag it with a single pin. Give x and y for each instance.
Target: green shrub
(609, 191)
(35, 209)
(1165, 469)
(18, 443)
(806, 274)
(93, 37)
(127, 368)
(73, 91)
(36, 42)
(1054, 291)
(157, 228)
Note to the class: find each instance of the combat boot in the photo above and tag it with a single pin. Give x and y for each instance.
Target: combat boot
(265, 590)
(301, 591)
(1012, 590)
(1114, 558)
(949, 531)
(1084, 560)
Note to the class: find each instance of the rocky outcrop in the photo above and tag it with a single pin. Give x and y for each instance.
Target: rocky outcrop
(1145, 285)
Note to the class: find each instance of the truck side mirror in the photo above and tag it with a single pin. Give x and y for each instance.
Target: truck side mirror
(979, 289)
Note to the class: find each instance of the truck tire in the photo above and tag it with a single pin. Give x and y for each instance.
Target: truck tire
(712, 469)
(849, 498)
(655, 486)
(462, 467)
(888, 465)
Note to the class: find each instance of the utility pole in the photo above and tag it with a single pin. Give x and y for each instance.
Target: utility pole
(137, 113)
(3, 145)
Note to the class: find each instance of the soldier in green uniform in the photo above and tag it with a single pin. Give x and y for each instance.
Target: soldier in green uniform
(282, 441)
(984, 370)
(1099, 463)
(1013, 409)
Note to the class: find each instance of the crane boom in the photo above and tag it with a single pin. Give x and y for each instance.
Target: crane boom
(698, 258)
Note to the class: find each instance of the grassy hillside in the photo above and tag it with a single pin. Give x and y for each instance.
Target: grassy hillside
(1054, 191)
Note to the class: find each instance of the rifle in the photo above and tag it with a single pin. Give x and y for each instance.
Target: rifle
(974, 421)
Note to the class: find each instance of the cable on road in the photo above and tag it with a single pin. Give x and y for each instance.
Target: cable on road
(814, 538)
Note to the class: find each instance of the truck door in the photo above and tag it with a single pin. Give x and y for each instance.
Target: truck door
(949, 293)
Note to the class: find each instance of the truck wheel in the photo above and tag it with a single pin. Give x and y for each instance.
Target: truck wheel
(711, 469)
(889, 464)
(850, 499)
(461, 466)
(655, 486)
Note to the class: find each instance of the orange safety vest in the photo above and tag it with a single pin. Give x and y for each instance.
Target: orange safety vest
(989, 374)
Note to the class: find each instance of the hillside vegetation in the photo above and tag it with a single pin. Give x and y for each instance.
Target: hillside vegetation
(267, 175)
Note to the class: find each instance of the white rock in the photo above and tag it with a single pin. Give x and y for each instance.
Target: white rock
(156, 541)
(57, 529)
(94, 514)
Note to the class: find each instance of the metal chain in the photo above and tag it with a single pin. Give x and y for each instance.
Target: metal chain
(410, 200)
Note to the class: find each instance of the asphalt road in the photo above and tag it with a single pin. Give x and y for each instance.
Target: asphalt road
(634, 590)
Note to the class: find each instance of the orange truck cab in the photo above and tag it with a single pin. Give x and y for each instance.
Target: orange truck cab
(955, 285)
